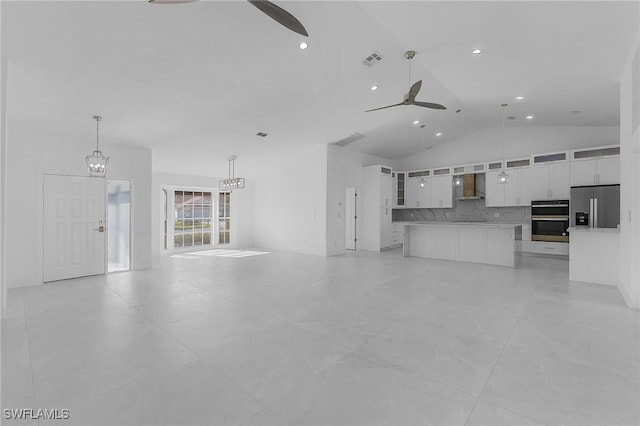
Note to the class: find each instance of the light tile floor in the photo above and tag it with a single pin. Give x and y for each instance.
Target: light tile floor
(360, 339)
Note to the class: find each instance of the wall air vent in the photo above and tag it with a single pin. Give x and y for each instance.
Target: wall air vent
(349, 139)
(372, 59)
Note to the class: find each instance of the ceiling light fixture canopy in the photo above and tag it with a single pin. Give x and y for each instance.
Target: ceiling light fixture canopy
(97, 161)
(232, 182)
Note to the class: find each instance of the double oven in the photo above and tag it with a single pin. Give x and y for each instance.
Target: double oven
(550, 220)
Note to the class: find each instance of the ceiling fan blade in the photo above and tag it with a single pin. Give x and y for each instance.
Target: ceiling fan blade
(428, 105)
(388, 106)
(413, 92)
(280, 15)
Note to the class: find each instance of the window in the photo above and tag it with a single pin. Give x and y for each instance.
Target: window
(224, 216)
(192, 218)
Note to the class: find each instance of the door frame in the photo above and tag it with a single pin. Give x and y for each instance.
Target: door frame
(40, 224)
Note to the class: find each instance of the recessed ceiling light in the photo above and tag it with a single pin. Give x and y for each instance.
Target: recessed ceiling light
(303, 45)
(439, 134)
(416, 122)
(519, 98)
(476, 51)
(529, 117)
(374, 88)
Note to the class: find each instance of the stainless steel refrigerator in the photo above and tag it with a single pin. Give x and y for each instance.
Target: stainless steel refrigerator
(595, 206)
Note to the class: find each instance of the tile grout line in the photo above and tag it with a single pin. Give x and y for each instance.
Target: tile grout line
(500, 357)
(26, 329)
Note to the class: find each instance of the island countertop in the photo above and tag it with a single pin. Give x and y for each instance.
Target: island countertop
(478, 224)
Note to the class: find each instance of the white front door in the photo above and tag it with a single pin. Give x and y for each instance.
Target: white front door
(74, 227)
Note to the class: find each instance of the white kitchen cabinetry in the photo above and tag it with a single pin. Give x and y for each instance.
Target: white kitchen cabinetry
(418, 189)
(411, 192)
(596, 166)
(516, 192)
(441, 192)
(494, 190)
(425, 189)
(376, 202)
(600, 171)
(548, 181)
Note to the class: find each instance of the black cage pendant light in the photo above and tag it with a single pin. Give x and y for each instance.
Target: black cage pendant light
(96, 161)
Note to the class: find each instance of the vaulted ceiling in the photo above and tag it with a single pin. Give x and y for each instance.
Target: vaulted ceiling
(196, 82)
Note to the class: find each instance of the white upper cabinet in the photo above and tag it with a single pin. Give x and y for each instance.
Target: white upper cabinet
(600, 171)
(595, 166)
(442, 192)
(516, 192)
(425, 188)
(608, 170)
(559, 181)
(548, 181)
(539, 182)
(494, 191)
(411, 192)
(418, 189)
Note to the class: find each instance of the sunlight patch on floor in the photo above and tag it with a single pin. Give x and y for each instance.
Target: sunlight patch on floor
(220, 253)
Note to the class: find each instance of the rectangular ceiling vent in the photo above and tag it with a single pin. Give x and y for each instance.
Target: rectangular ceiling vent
(372, 59)
(349, 139)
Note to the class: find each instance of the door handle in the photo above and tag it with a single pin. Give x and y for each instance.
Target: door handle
(100, 228)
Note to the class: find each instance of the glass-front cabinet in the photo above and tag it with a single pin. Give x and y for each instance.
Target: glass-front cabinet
(400, 186)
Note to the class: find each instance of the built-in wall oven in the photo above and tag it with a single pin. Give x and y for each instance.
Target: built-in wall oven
(550, 220)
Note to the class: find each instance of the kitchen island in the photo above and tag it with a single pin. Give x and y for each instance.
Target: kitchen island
(478, 242)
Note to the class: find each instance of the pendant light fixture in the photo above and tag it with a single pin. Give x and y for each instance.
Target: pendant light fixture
(96, 161)
(503, 177)
(457, 180)
(232, 182)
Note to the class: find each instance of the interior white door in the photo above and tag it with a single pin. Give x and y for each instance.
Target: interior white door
(350, 219)
(74, 227)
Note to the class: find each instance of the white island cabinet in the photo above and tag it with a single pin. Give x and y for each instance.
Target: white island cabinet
(489, 243)
(594, 255)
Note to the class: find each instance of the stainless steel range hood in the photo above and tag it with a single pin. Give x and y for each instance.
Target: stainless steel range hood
(471, 186)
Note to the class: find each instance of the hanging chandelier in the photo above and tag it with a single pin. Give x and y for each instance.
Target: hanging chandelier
(232, 182)
(96, 161)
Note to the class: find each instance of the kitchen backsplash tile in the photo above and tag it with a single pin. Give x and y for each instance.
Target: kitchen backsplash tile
(465, 211)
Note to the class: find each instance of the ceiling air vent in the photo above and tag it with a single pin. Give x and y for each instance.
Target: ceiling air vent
(372, 59)
(349, 139)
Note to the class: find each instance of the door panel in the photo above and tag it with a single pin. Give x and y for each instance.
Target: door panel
(73, 242)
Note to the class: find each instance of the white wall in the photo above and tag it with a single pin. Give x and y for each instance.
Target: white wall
(344, 169)
(29, 158)
(487, 145)
(290, 203)
(630, 181)
(3, 170)
(241, 208)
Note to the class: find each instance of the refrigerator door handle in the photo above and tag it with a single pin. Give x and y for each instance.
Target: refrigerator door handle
(595, 212)
(591, 217)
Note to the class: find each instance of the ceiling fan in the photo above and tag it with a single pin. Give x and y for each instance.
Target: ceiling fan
(270, 9)
(410, 97)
